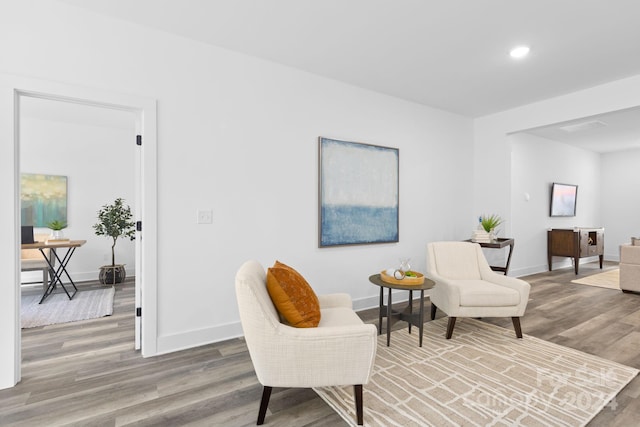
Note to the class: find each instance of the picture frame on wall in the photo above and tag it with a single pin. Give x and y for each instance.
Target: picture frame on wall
(358, 193)
(563, 199)
(43, 199)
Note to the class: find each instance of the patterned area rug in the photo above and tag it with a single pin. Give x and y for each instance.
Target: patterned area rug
(609, 279)
(57, 308)
(483, 376)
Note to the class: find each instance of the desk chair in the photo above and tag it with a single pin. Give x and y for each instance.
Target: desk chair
(32, 260)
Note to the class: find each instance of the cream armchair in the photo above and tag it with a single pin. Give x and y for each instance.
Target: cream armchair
(467, 287)
(340, 351)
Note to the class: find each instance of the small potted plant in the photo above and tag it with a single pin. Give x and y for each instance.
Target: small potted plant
(490, 224)
(56, 227)
(114, 221)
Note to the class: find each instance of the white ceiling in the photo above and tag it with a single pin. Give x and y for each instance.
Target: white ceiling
(449, 54)
(604, 133)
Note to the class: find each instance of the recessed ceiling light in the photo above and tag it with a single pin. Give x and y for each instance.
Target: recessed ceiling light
(519, 52)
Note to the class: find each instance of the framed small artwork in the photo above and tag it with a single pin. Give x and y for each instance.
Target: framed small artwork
(43, 198)
(358, 193)
(563, 199)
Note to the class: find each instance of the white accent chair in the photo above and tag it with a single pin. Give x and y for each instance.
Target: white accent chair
(340, 351)
(467, 287)
(630, 268)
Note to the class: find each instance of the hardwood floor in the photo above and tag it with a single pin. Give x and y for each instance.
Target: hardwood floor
(88, 374)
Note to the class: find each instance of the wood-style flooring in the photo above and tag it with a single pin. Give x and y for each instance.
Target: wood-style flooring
(88, 374)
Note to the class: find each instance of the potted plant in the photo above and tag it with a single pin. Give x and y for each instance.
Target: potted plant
(56, 227)
(114, 221)
(490, 224)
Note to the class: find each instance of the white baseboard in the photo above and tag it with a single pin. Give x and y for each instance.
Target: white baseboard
(374, 301)
(366, 303)
(521, 272)
(36, 276)
(197, 338)
(563, 263)
(612, 257)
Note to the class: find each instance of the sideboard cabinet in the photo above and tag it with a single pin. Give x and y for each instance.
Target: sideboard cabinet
(576, 243)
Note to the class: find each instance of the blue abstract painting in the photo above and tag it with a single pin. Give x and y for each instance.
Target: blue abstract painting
(358, 193)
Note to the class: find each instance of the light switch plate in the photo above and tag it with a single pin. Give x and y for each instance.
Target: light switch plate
(205, 216)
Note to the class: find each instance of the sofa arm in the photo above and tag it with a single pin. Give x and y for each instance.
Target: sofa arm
(630, 277)
(630, 254)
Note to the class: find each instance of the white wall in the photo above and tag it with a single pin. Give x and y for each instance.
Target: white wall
(536, 163)
(99, 163)
(620, 199)
(238, 135)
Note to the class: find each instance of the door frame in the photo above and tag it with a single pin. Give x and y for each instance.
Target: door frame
(12, 88)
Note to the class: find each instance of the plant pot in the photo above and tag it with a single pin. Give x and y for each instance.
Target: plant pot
(57, 234)
(112, 274)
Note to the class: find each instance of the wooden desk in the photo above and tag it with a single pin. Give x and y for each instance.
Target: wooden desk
(499, 244)
(56, 273)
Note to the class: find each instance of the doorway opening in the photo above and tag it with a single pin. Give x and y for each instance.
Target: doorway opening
(143, 114)
(74, 159)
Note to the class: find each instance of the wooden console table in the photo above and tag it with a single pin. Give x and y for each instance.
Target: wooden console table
(576, 243)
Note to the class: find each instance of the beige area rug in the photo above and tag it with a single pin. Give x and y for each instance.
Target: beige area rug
(609, 279)
(483, 376)
(57, 308)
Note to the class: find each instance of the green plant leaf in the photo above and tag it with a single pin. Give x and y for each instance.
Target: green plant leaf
(115, 221)
(56, 225)
(490, 222)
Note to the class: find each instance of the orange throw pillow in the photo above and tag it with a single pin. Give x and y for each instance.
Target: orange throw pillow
(294, 299)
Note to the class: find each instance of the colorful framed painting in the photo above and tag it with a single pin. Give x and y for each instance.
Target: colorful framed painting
(43, 198)
(358, 193)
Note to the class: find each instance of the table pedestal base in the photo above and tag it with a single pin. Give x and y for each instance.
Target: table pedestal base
(406, 315)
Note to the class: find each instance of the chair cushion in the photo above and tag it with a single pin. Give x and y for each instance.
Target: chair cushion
(479, 293)
(339, 316)
(292, 296)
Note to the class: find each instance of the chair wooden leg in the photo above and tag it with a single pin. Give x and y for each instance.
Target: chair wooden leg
(266, 394)
(357, 391)
(433, 311)
(516, 326)
(450, 326)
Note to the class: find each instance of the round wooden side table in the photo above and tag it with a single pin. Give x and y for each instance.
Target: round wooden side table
(406, 314)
